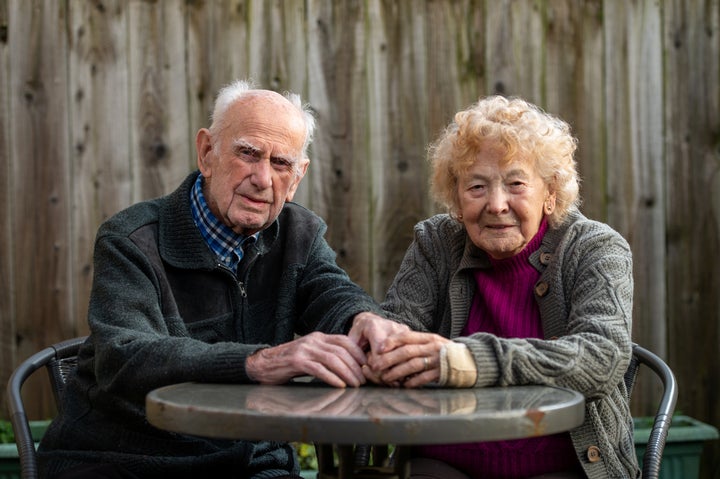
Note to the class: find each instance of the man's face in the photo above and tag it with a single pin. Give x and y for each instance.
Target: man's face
(255, 164)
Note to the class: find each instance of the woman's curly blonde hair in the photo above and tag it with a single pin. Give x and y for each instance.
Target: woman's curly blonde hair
(525, 132)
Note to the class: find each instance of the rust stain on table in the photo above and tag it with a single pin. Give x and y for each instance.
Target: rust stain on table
(536, 416)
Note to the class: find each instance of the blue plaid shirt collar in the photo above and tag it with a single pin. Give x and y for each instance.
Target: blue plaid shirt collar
(224, 242)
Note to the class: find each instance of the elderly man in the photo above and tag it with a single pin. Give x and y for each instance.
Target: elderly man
(211, 283)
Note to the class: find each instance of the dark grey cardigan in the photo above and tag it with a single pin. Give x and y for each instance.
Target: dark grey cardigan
(163, 310)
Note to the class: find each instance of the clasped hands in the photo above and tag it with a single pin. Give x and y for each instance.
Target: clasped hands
(376, 349)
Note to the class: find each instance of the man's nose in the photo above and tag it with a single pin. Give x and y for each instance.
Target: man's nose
(262, 174)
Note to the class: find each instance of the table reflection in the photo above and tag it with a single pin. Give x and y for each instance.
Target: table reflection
(374, 415)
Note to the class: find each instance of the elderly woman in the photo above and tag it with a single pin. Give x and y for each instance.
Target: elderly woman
(520, 288)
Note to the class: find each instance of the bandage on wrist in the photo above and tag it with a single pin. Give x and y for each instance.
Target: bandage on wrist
(457, 366)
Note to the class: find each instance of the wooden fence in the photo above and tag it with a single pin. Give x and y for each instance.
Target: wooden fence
(100, 101)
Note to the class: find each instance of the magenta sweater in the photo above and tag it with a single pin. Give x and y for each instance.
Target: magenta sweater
(504, 305)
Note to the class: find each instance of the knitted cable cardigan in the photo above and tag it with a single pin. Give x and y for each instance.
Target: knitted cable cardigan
(584, 295)
(163, 310)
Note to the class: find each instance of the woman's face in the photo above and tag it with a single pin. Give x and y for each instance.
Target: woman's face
(502, 205)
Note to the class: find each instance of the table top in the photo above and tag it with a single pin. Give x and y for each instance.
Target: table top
(366, 415)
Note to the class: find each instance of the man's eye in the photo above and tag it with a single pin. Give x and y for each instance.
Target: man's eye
(281, 163)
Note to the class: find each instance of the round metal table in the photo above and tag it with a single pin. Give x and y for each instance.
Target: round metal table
(316, 413)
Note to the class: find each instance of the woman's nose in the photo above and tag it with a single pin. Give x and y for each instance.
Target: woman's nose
(497, 200)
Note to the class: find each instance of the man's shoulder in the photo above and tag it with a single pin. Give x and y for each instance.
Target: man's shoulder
(294, 213)
(173, 209)
(131, 218)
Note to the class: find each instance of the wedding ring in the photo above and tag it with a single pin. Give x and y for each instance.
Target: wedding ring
(426, 362)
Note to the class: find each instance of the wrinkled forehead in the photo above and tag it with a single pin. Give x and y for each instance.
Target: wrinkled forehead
(266, 117)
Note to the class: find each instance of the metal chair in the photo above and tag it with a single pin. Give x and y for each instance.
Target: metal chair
(663, 416)
(59, 360)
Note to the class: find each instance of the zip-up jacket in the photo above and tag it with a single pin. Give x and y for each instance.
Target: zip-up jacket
(163, 310)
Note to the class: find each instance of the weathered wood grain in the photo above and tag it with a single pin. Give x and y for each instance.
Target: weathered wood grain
(7, 309)
(99, 131)
(40, 177)
(159, 132)
(691, 117)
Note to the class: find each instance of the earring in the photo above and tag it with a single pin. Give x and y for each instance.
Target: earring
(460, 217)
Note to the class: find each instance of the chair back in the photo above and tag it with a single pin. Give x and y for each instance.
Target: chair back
(59, 360)
(663, 415)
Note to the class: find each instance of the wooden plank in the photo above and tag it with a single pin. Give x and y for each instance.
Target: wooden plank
(99, 126)
(159, 126)
(573, 90)
(199, 64)
(338, 91)
(7, 277)
(635, 165)
(39, 180)
(396, 135)
(230, 39)
(514, 52)
(691, 51)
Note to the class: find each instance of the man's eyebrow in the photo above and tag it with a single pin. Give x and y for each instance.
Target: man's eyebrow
(241, 143)
(256, 151)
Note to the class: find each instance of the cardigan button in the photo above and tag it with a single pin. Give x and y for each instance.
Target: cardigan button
(541, 288)
(545, 258)
(593, 454)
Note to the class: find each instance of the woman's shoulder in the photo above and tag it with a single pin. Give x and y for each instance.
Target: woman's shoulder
(581, 230)
(440, 224)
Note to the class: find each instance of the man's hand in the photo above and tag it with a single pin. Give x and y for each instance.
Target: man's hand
(371, 331)
(332, 358)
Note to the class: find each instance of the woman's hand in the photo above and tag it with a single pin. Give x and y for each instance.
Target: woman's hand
(409, 359)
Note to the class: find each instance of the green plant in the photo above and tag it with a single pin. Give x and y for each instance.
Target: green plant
(306, 456)
(6, 432)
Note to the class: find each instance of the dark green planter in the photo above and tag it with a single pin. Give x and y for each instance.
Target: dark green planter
(683, 448)
(9, 461)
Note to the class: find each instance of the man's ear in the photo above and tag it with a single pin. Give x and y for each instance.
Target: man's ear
(302, 169)
(203, 145)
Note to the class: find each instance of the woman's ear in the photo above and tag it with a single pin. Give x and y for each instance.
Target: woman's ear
(549, 205)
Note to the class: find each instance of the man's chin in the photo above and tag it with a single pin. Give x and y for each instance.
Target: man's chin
(249, 226)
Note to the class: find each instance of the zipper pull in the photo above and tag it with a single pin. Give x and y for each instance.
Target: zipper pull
(243, 291)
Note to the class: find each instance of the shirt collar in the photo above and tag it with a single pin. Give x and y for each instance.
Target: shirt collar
(223, 241)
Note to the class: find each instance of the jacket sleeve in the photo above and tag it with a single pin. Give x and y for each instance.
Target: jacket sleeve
(328, 298)
(136, 345)
(418, 295)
